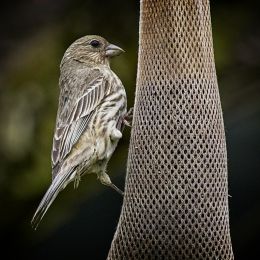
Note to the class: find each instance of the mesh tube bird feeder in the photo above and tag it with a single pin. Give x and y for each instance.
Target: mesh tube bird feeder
(176, 194)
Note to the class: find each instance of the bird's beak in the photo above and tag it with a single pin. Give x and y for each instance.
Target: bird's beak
(113, 50)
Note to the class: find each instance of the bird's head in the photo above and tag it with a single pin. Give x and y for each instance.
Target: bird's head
(91, 49)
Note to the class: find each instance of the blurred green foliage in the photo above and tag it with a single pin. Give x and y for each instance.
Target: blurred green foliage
(34, 36)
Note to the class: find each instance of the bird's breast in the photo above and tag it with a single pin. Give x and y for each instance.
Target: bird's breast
(109, 113)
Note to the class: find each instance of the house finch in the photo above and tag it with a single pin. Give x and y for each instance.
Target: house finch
(91, 114)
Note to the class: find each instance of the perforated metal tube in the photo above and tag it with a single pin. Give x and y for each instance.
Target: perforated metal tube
(176, 195)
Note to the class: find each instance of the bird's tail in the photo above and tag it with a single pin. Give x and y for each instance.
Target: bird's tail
(58, 184)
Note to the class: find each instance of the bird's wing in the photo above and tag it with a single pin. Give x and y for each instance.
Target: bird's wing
(69, 131)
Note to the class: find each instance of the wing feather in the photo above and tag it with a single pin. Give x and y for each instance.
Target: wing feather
(69, 132)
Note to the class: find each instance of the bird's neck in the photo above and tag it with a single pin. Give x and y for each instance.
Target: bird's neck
(72, 63)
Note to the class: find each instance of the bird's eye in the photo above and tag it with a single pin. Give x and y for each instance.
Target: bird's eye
(95, 43)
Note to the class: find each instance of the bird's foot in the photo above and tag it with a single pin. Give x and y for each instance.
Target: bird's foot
(127, 123)
(113, 186)
(104, 179)
(128, 118)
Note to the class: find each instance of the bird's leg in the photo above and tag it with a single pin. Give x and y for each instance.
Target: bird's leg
(104, 179)
(127, 120)
(113, 186)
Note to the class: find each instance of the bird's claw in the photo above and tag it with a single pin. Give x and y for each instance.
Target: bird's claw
(127, 123)
(104, 178)
(113, 186)
(128, 118)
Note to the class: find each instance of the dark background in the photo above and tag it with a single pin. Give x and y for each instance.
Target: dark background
(81, 223)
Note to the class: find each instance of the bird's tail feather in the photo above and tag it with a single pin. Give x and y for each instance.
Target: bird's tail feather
(58, 184)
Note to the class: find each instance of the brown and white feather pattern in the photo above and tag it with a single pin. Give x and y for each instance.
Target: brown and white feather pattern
(102, 99)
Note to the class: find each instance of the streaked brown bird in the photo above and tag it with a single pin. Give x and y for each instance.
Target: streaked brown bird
(91, 114)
